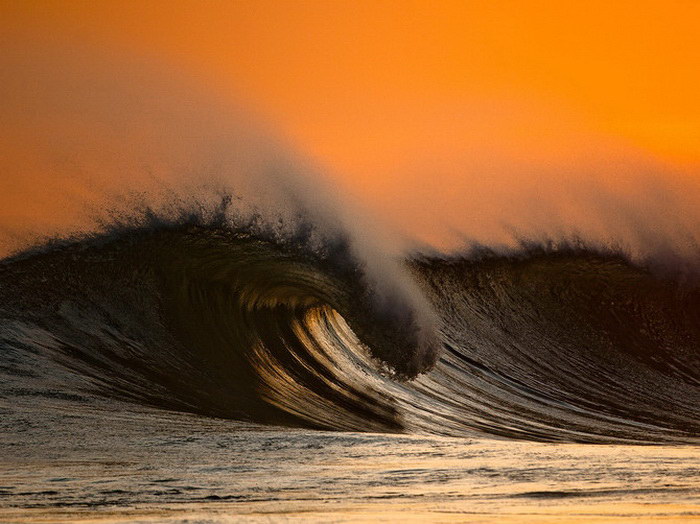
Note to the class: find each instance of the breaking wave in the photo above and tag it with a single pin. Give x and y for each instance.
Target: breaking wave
(558, 342)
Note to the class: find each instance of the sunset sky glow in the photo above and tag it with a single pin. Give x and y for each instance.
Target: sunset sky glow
(402, 98)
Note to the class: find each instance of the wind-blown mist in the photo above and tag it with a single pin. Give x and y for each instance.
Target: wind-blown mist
(167, 252)
(87, 129)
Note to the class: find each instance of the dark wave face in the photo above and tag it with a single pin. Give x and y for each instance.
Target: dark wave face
(553, 345)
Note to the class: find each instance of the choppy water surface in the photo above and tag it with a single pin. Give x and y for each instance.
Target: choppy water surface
(115, 465)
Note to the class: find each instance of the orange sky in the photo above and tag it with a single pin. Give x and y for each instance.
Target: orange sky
(402, 98)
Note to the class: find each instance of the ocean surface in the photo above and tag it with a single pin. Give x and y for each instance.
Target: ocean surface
(121, 464)
(195, 370)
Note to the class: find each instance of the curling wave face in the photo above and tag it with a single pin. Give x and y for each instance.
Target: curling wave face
(561, 345)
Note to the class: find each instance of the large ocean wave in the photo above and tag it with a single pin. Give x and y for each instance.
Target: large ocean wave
(554, 342)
